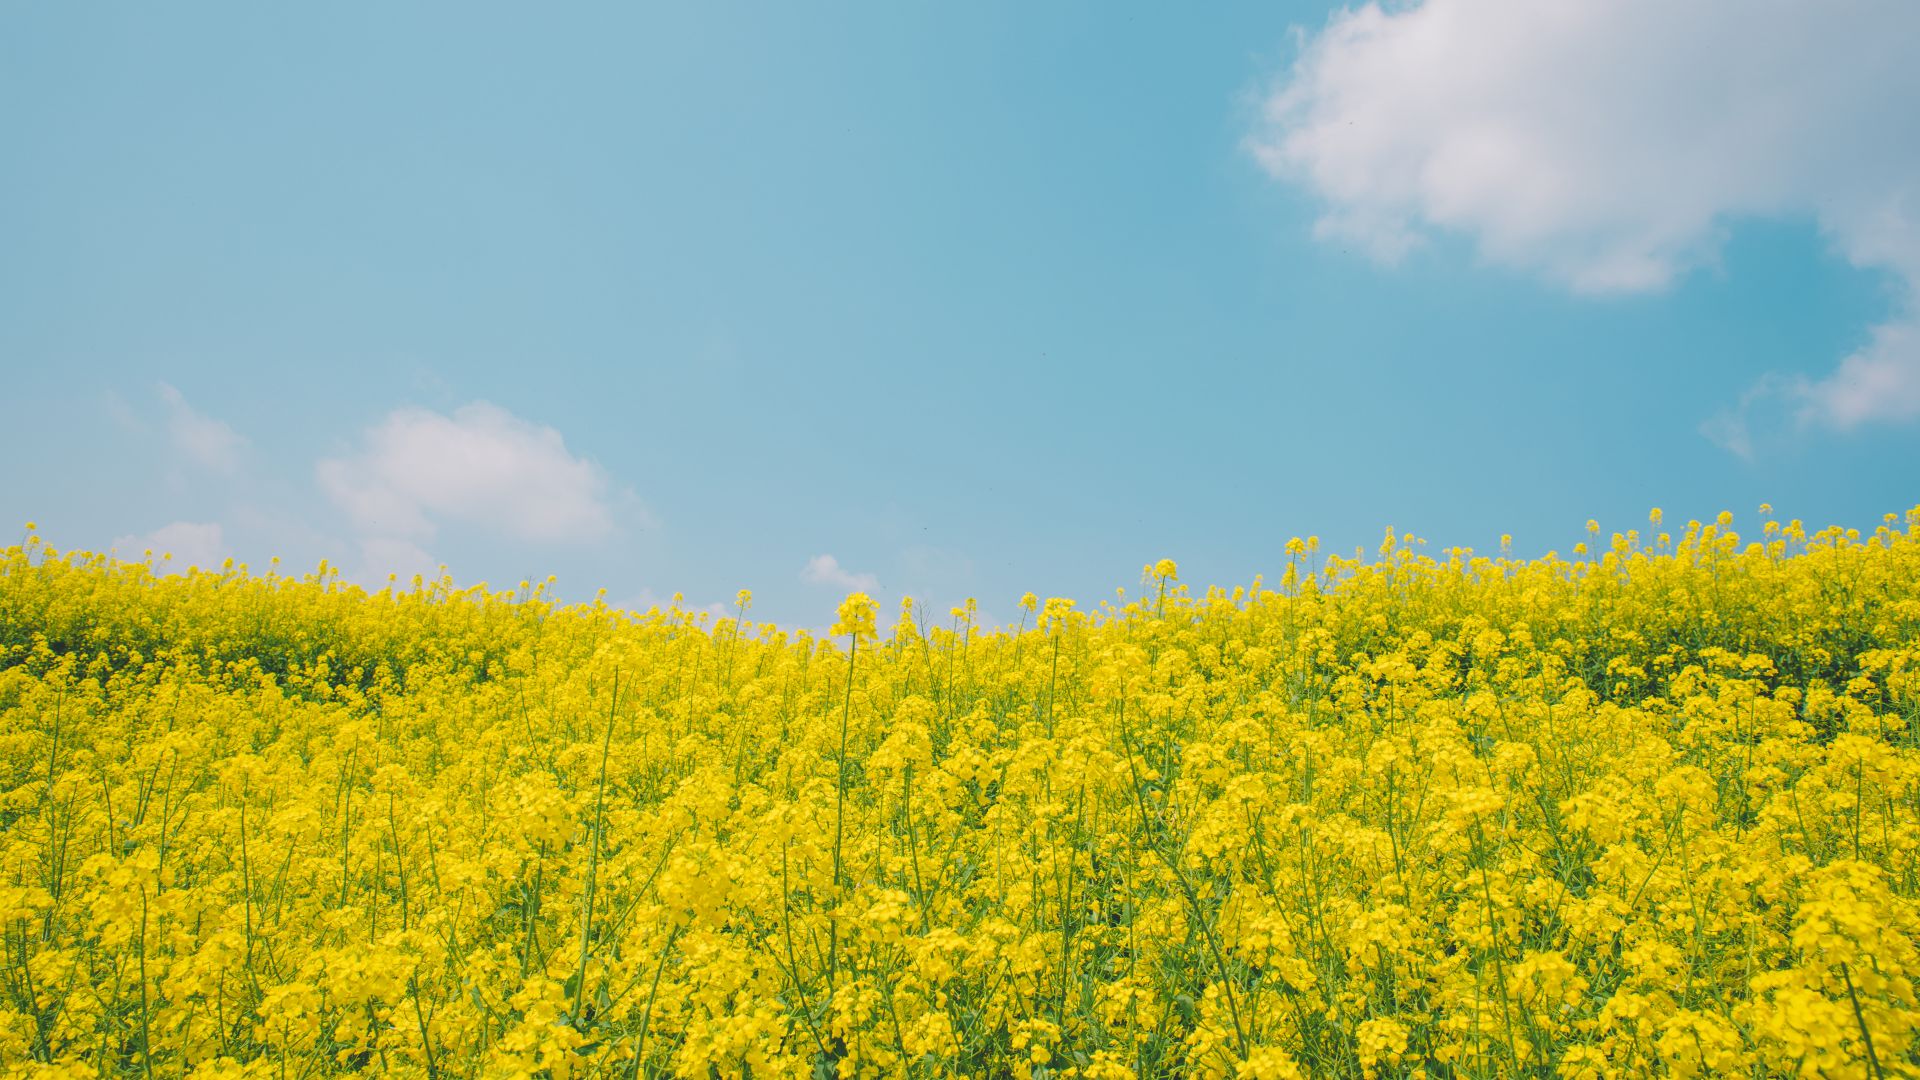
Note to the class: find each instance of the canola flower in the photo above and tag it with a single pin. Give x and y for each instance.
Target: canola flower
(1654, 810)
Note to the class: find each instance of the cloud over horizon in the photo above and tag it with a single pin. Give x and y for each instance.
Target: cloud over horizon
(1608, 145)
(826, 570)
(417, 470)
(190, 543)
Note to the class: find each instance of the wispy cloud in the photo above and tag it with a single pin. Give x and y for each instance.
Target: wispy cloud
(190, 543)
(207, 442)
(646, 599)
(383, 555)
(1606, 144)
(826, 570)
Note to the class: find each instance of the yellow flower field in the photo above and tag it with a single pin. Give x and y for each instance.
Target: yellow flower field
(1652, 809)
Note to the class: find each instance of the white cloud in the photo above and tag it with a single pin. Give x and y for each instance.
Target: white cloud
(1608, 144)
(482, 466)
(646, 599)
(1881, 380)
(191, 543)
(826, 570)
(383, 555)
(208, 442)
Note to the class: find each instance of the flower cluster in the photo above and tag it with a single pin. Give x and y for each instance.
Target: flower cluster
(1654, 810)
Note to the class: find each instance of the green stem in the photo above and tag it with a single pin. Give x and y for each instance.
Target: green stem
(1861, 1019)
(840, 815)
(593, 856)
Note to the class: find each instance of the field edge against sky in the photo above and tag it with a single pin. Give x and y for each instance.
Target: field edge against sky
(948, 304)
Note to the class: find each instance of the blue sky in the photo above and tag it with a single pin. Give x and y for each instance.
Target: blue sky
(968, 301)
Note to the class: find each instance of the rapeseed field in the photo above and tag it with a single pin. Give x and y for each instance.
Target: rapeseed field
(1652, 808)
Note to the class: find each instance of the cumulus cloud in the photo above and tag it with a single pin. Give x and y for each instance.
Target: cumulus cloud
(1608, 144)
(826, 570)
(190, 543)
(482, 466)
(209, 443)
